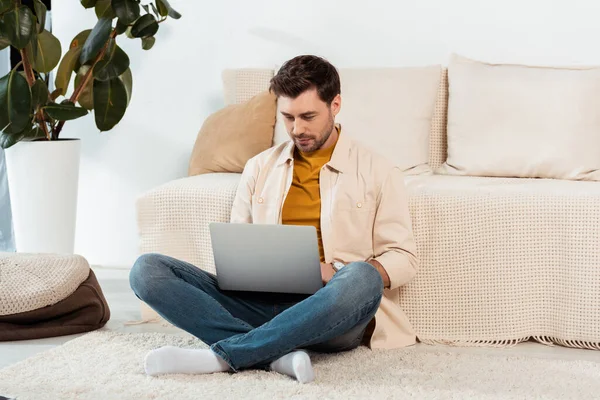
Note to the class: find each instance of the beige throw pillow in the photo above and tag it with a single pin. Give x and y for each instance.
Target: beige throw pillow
(233, 135)
(522, 121)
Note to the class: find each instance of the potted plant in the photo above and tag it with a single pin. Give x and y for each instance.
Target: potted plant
(42, 167)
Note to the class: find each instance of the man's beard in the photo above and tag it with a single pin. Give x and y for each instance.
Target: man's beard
(317, 144)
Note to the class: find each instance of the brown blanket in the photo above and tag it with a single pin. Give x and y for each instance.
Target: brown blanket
(83, 311)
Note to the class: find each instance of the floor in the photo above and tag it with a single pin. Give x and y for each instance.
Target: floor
(125, 307)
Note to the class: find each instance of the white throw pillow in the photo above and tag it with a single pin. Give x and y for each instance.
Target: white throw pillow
(389, 110)
(523, 121)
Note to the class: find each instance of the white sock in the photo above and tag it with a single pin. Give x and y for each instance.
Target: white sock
(295, 364)
(175, 360)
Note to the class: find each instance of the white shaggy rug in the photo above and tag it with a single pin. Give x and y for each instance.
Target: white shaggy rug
(108, 365)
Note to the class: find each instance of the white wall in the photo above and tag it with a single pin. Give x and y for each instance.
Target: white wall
(177, 83)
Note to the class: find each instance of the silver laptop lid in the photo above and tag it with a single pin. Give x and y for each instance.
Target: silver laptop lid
(266, 257)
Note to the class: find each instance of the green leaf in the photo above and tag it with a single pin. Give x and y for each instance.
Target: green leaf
(96, 40)
(48, 52)
(113, 64)
(127, 79)
(110, 103)
(15, 102)
(145, 26)
(164, 8)
(4, 40)
(7, 140)
(6, 5)
(79, 40)
(39, 94)
(40, 13)
(64, 112)
(33, 46)
(127, 10)
(146, 8)
(86, 97)
(19, 24)
(148, 42)
(88, 3)
(66, 68)
(30, 133)
(104, 9)
(121, 27)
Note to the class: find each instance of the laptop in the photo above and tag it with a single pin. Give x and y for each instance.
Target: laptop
(266, 257)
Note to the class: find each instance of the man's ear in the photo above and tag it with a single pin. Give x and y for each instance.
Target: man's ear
(336, 105)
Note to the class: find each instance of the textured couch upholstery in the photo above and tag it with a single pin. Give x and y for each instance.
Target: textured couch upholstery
(502, 260)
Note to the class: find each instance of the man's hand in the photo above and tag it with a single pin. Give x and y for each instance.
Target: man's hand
(382, 272)
(327, 272)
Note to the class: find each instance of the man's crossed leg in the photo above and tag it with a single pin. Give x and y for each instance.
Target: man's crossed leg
(253, 330)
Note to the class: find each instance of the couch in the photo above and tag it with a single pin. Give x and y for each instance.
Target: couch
(502, 259)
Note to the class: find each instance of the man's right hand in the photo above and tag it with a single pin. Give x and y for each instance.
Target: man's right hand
(327, 272)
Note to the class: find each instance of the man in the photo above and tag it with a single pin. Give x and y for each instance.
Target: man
(358, 204)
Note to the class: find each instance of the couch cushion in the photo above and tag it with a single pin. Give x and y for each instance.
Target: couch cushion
(503, 259)
(231, 136)
(522, 121)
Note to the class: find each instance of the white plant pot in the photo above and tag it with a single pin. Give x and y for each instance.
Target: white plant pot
(43, 180)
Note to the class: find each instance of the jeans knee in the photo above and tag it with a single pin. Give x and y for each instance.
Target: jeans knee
(365, 278)
(143, 273)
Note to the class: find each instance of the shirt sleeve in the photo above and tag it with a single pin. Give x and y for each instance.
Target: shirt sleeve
(241, 211)
(393, 241)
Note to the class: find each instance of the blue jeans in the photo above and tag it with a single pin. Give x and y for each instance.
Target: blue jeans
(252, 329)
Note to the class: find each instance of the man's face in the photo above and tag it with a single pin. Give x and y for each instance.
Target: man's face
(310, 121)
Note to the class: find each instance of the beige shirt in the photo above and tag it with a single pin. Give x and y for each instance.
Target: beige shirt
(364, 215)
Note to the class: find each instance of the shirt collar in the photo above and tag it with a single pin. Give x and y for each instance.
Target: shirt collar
(339, 158)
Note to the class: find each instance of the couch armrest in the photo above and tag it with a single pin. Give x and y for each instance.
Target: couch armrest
(173, 218)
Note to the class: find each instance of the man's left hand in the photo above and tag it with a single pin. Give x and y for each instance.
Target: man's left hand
(327, 272)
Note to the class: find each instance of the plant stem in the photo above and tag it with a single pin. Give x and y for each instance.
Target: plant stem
(31, 80)
(85, 80)
(27, 67)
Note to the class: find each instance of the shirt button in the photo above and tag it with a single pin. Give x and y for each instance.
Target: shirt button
(359, 204)
(260, 200)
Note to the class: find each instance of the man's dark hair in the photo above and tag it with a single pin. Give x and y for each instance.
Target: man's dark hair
(306, 72)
